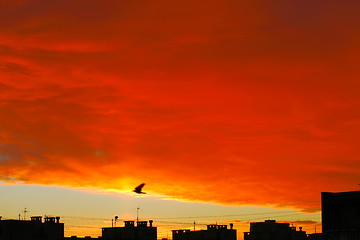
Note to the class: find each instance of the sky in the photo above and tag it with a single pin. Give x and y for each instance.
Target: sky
(223, 103)
(84, 211)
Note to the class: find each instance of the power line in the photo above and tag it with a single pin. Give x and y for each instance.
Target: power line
(88, 218)
(267, 215)
(231, 215)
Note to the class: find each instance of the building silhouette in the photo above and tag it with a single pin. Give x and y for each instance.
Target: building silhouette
(272, 230)
(341, 215)
(315, 236)
(213, 232)
(142, 231)
(34, 229)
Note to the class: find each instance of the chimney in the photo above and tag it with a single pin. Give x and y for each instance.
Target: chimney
(151, 222)
(300, 228)
(231, 225)
(57, 219)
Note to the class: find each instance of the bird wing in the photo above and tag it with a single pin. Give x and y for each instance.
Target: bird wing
(138, 188)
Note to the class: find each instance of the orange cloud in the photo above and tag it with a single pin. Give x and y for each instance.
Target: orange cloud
(226, 102)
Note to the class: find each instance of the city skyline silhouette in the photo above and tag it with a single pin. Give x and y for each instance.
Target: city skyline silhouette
(164, 212)
(339, 220)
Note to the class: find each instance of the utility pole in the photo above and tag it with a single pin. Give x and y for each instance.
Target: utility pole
(194, 226)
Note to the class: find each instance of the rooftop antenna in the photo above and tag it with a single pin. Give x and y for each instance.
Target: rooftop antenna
(116, 218)
(25, 211)
(137, 215)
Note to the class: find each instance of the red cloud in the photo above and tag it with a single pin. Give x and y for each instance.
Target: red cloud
(231, 103)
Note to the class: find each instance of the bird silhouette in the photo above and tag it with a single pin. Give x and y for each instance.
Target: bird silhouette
(138, 189)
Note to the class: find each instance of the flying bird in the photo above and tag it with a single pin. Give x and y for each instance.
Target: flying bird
(138, 189)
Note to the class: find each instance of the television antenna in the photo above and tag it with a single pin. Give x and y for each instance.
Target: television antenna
(137, 215)
(24, 211)
(116, 218)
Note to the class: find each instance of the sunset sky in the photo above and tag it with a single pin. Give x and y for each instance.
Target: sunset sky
(221, 107)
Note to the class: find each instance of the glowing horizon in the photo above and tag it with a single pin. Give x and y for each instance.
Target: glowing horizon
(85, 211)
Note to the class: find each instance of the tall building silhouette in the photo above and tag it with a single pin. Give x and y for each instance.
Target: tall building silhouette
(213, 232)
(341, 215)
(34, 229)
(142, 231)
